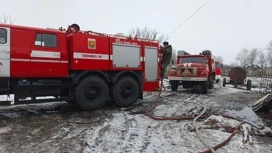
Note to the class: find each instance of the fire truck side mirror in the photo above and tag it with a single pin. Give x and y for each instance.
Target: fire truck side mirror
(221, 65)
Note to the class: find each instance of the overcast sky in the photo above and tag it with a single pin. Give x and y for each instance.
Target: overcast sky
(222, 26)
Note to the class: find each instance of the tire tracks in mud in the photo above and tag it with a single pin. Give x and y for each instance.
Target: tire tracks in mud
(47, 138)
(179, 104)
(126, 133)
(45, 133)
(129, 135)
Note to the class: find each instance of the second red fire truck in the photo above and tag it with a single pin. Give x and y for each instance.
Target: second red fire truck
(218, 71)
(71, 65)
(193, 70)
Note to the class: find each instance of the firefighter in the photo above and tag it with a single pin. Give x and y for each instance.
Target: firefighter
(166, 56)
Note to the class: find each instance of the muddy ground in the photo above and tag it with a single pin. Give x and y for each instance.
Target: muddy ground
(62, 127)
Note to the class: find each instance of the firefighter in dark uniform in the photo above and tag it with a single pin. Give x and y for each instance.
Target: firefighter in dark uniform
(166, 56)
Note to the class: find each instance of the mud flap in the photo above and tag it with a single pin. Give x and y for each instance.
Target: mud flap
(141, 95)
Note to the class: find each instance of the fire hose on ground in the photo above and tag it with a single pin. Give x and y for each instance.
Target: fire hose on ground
(194, 118)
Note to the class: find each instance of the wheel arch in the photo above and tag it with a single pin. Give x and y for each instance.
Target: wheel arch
(84, 74)
(121, 74)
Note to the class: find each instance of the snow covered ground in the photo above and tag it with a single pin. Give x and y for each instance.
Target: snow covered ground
(61, 127)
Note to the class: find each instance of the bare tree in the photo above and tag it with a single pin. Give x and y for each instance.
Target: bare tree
(269, 47)
(220, 59)
(147, 33)
(242, 57)
(269, 53)
(261, 60)
(7, 19)
(252, 57)
(234, 64)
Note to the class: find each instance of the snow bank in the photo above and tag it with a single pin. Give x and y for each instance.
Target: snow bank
(246, 114)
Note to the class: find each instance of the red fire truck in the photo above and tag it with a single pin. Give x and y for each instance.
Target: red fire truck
(193, 70)
(72, 65)
(218, 70)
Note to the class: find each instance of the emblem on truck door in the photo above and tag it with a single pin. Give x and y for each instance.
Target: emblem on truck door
(91, 44)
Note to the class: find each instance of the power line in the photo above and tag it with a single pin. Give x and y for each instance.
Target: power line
(188, 17)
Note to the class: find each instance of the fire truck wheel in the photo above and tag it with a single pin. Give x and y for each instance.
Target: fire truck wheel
(248, 84)
(270, 113)
(174, 85)
(224, 82)
(204, 87)
(92, 93)
(125, 92)
(211, 84)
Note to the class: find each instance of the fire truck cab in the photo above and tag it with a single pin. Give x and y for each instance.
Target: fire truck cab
(85, 67)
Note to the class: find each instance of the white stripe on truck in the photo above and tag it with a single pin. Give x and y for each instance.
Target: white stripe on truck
(37, 60)
(78, 55)
(44, 54)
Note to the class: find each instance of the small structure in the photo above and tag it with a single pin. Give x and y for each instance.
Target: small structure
(238, 77)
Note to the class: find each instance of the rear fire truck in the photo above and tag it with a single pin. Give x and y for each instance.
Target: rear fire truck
(82, 66)
(218, 70)
(193, 70)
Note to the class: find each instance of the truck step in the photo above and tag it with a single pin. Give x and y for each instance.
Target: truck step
(40, 93)
(47, 100)
(33, 101)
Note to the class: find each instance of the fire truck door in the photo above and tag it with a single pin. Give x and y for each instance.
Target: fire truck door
(4, 52)
(151, 64)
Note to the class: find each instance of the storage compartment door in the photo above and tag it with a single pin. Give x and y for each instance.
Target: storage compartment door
(151, 64)
(4, 52)
(126, 56)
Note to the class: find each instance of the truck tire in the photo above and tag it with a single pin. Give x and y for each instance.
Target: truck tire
(270, 113)
(92, 93)
(204, 87)
(185, 86)
(125, 92)
(217, 81)
(174, 85)
(248, 84)
(224, 82)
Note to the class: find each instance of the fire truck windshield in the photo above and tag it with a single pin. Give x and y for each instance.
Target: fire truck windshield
(197, 59)
(217, 64)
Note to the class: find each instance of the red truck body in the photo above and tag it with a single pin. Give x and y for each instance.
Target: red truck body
(33, 59)
(218, 70)
(193, 70)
